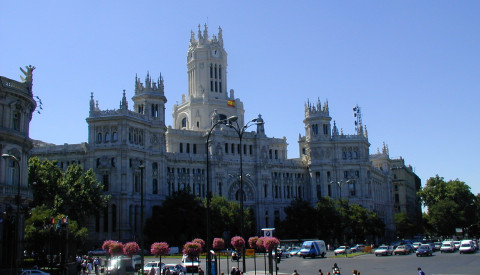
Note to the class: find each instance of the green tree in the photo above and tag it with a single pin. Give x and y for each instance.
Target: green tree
(450, 204)
(73, 192)
(225, 217)
(328, 219)
(300, 221)
(405, 227)
(46, 238)
(179, 219)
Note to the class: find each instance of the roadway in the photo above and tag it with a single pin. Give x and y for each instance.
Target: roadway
(439, 263)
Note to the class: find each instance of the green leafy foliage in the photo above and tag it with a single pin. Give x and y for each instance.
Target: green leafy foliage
(450, 204)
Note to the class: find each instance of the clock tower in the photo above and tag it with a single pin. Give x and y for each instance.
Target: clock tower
(208, 95)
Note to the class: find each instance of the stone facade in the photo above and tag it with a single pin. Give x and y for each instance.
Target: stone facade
(129, 147)
(17, 105)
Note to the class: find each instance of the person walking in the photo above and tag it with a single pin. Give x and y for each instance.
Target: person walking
(420, 271)
(200, 271)
(295, 272)
(320, 272)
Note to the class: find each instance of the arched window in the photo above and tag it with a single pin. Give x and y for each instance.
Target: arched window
(184, 122)
(99, 138)
(114, 136)
(107, 137)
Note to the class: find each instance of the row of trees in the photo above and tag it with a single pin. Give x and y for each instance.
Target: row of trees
(330, 220)
(450, 205)
(182, 215)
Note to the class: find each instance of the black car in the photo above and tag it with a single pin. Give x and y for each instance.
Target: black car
(424, 250)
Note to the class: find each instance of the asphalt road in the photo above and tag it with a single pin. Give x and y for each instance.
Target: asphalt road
(446, 263)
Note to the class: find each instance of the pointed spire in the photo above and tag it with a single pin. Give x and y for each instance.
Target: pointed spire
(205, 32)
(192, 38)
(124, 101)
(92, 102)
(220, 36)
(200, 38)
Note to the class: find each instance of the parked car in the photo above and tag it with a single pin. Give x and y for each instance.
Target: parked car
(402, 249)
(174, 269)
(342, 250)
(33, 272)
(447, 246)
(358, 248)
(467, 246)
(384, 250)
(457, 244)
(424, 250)
(437, 245)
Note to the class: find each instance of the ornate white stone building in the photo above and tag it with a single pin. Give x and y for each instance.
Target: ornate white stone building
(17, 105)
(123, 141)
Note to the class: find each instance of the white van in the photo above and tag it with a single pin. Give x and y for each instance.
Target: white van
(467, 246)
(313, 249)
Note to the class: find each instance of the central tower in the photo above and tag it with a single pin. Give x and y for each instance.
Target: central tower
(207, 85)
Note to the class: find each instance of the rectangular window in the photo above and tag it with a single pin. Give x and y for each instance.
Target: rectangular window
(181, 147)
(105, 181)
(251, 149)
(194, 148)
(188, 148)
(233, 148)
(155, 186)
(329, 190)
(226, 148)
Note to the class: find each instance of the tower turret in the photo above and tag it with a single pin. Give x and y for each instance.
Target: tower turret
(317, 121)
(149, 98)
(207, 84)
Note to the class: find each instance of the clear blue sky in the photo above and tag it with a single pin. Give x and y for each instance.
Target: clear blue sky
(412, 66)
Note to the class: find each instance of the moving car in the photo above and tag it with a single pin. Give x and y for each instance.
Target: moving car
(447, 246)
(358, 248)
(155, 264)
(294, 251)
(342, 250)
(174, 269)
(402, 249)
(467, 246)
(416, 245)
(424, 250)
(190, 265)
(384, 250)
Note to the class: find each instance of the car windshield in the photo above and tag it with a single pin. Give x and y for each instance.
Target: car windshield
(425, 246)
(446, 245)
(400, 247)
(383, 247)
(465, 245)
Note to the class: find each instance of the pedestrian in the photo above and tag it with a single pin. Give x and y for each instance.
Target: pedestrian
(420, 271)
(233, 271)
(237, 271)
(295, 272)
(354, 272)
(200, 271)
(152, 271)
(320, 272)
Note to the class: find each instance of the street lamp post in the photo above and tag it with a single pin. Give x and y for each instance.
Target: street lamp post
(209, 192)
(240, 130)
(142, 167)
(340, 183)
(17, 220)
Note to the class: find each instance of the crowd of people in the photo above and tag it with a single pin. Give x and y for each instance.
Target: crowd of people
(88, 265)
